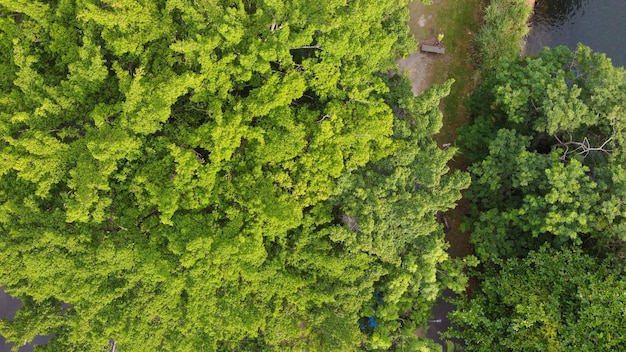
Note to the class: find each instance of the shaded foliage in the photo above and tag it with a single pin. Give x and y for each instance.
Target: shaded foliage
(552, 300)
(547, 152)
(547, 217)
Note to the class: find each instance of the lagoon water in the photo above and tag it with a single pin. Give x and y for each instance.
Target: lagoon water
(599, 24)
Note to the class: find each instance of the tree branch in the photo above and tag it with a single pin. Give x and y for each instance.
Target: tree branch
(583, 148)
(309, 47)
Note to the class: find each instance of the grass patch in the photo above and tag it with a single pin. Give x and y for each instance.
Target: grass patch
(449, 346)
(459, 21)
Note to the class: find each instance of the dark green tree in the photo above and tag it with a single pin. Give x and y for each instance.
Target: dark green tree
(546, 149)
(547, 218)
(549, 301)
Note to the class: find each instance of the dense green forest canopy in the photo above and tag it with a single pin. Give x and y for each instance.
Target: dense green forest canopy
(218, 175)
(551, 300)
(547, 147)
(548, 217)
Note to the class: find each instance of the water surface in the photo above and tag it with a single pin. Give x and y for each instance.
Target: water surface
(599, 24)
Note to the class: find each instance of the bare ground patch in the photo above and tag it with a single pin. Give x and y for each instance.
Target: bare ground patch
(418, 67)
(459, 22)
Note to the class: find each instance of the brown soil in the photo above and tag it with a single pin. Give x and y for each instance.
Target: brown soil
(424, 70)
(419, 66)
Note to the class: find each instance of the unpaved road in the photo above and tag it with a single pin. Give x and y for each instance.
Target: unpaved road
(421, 70)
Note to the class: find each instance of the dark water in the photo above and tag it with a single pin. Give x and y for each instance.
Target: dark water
(599, 24)
(8, 308)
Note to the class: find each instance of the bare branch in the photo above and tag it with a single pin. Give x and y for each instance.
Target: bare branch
(323, 118)
(309, 47)
(582, 148)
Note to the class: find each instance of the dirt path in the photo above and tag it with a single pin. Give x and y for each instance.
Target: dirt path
(419, 66)
(458, 21)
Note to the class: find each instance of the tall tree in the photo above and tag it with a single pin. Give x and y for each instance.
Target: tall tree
(547, 152)
(549, 301)
(169, 169)
(547, 213)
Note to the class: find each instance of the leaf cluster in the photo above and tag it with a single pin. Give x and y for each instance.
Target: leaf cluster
(547, 218)
(546, 151)
(177, 171)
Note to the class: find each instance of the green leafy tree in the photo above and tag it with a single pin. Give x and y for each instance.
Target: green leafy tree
(549, 301)
(388, 210)
(546, 150)
(170, 170)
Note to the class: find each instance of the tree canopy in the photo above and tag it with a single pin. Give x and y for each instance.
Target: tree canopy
(217, 175)
(547, 153)
(551, 300)
(547, 218)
